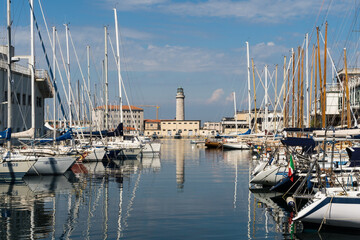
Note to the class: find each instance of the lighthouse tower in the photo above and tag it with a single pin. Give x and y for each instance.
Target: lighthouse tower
(180, 105)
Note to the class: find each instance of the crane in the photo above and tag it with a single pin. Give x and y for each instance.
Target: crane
(157, 109)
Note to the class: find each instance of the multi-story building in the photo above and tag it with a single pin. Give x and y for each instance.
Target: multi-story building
(133, 117)
(21, 96)
(211, 129)
(152, 127)
(186, 128)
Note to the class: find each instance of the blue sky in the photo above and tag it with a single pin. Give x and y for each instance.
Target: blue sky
(198, 45)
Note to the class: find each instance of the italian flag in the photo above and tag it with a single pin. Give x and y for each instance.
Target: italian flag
(291, 169)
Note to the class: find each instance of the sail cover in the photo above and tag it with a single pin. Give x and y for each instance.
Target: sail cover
(24, 134)
(6, 134)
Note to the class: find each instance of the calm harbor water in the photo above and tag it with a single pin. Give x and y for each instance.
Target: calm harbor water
(188, 192)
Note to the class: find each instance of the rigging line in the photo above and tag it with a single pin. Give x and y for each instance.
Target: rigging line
(95, 65)
(58, 68)
(284, 86)
(46, 57)
(126, 66)
(333, 65)
(17, 21)
(350, 31)
(81, 72)
(122, 83)
(263, 86)
(316, 20)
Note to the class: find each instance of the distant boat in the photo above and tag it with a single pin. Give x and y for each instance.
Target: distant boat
(213, 143)
(177, 135)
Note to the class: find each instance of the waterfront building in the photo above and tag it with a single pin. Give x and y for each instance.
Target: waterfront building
(21, 95)
(152, 127)
(168, 128)
(334, 99)
(186, 128)
(132, 120)
(211, 129)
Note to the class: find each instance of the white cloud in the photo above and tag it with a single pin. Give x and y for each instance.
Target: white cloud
(230, 97)
(254, 10)
(216, 95)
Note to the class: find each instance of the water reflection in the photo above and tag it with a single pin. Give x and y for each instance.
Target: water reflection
(180, 163)
(137, 199)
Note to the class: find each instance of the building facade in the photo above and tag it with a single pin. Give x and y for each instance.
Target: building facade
(152, 127)
(21, 97)
(133, 117)
(186, 128)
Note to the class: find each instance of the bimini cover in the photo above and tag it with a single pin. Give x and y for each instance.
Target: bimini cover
(119, 131)
(354, 156)
(6, 134)
(246, 133)
(65, 136)
(308, 144)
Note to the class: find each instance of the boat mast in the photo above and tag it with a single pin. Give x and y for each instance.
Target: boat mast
(249, 87)
(106, 80)
(307, 78)
(347, 92)
(9, 117)
(276, 97)
(298, 88)
(89, 90)
(54, 80)
(311, 83)
(266, 98)
(320, 78)
(32, 66)
(235, 117)
(324, 82)
(255, 113)
(118, 64)
(68, 72)
(315, 87)
(284, 97)
(293, 88)
(301, 116)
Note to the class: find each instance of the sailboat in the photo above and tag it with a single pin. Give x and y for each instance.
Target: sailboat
(13, 165)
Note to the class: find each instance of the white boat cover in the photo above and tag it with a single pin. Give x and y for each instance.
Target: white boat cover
(25, 134)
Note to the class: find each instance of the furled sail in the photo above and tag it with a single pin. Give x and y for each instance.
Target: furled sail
(24, 134)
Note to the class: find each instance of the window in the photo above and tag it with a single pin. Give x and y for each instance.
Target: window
(12, 97)
(24, 99)
(5, 96)
(29, 100)
(18, 98)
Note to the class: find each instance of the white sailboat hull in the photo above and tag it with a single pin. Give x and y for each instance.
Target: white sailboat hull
(51, 165)
(14, 166)
(340, 211)
(151, 149)
(239, 146)
(95, 154)
(270, 175)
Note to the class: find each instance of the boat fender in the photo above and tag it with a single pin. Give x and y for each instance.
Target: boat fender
(290, 202)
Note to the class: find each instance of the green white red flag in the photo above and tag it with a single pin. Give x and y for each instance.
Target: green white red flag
(291, 169)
